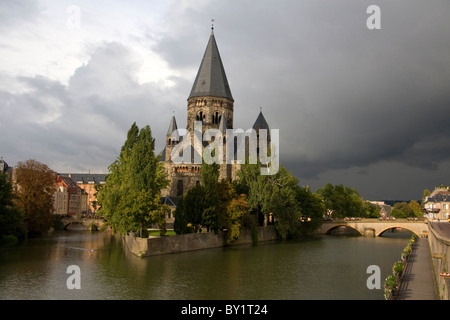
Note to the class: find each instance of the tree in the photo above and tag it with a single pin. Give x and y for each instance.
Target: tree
(403, 210)
(312, 208)
(210, 176)
(131, 198)
(236, 211)
(181, 222)
(195, 206)
(12, 220)
(36, 186)
(426, 193)
(416, 208)
(272, 197)
(370, 210)
(342, 201)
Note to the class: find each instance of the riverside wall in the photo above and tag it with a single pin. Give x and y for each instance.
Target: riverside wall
(440, 253)
(145, 247)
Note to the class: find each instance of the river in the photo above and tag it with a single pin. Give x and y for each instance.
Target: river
(323, 267)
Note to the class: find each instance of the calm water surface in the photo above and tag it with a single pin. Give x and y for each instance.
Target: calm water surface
(325, 267)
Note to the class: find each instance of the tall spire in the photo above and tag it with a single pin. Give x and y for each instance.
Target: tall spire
(173, 125)
(223, 123)
(211, 79)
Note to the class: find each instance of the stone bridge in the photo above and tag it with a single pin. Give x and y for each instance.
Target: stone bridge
(376, 227)
(86, 223)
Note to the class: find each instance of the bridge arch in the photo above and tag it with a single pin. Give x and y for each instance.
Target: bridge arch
(380, 232)
(75, 222)
(335, 226)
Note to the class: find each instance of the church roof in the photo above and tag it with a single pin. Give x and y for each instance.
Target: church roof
(172, 126)
(261, 122)
(211, 79)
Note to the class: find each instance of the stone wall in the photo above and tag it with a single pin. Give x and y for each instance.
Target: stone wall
(143, 247)
(440, 253)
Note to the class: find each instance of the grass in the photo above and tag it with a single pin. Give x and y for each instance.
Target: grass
(156, 233)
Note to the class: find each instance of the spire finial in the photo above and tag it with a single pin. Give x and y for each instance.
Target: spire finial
(212, 26)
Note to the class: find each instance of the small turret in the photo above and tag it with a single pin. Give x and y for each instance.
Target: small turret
(170, 141)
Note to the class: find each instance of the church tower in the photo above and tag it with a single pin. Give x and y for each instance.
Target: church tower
(210, 101)
(210, 97)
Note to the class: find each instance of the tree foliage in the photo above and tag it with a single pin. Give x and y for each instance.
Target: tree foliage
(236, 210)
(36, 186)
(280, 200)
(407, 210)
(342, 201)
(312, 209)
(214, 205)
(131, 198)
(12, 220)
(370, 210)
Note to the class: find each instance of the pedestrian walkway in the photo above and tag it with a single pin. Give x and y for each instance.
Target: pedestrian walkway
(418, 281)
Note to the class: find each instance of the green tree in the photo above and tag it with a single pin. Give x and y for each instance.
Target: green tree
(426, 193)
(416, 208)
(342, 201)
(12, 220)
(131, 198)
(402, 210)
(251, 183)
(226, 194)
(272, 197)
(312, 209)
(190, 213)
(237, 209)
(36, 187)
(181, 224)
(210, 176)
(370, 210)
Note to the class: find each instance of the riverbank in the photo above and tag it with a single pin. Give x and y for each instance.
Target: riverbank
(145, 247)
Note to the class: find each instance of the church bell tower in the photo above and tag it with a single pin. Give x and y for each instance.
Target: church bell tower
(210, 97)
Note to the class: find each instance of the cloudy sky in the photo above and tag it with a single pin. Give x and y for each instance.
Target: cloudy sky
(365, 108)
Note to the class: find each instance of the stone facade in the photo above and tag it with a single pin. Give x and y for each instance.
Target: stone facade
(146, 247)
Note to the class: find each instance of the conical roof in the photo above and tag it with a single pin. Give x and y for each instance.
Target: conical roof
(223, 123)
(173, 126)
(211, 79)
(261, 122)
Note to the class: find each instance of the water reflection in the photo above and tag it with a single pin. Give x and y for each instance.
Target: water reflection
(325, 267)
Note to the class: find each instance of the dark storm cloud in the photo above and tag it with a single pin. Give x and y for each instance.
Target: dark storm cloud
(343, 96)
(353, 105)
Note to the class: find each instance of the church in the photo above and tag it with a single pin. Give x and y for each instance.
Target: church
(211, 104)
